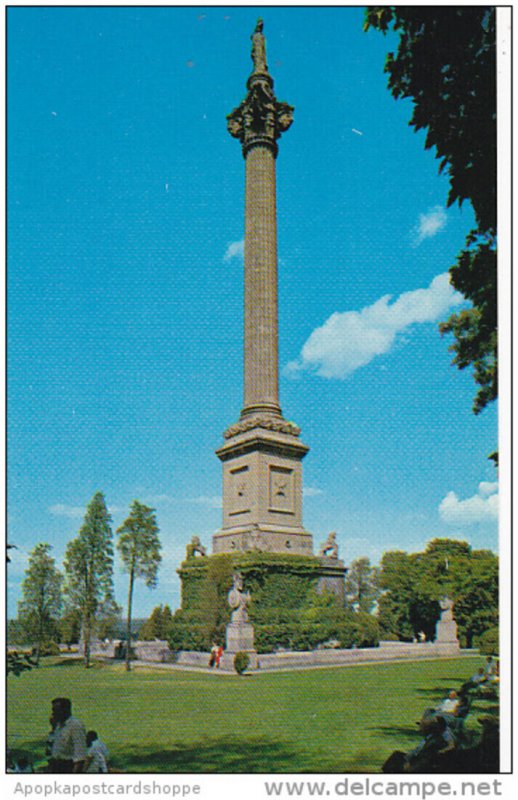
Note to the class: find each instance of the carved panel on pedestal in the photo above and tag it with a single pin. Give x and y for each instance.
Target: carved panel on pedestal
(281, 490)
(239, 490)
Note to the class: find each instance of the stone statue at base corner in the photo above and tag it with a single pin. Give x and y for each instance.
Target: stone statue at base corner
(195, 547)
(446, 609)
(238, 599)
(330, 546)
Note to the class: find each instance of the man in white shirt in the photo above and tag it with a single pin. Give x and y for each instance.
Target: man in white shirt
(69, 742)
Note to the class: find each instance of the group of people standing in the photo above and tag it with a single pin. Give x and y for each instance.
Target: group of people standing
(216, 654)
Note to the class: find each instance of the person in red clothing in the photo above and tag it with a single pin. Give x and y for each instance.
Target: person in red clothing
(219, 653)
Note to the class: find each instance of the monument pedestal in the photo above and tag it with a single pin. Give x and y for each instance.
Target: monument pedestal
(240, 636)
(446, 628)
(446, 632)
(331, 578)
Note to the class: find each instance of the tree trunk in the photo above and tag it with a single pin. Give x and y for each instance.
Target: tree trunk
(128, 621)
(87, 635)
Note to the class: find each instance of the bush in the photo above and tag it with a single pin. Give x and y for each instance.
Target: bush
(48, 649)
(367, 632)
(488, 643)
(241, 662)
(389, 637)
(19, 662)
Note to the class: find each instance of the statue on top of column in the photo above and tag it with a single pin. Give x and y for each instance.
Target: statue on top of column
(260, 118)
(259, 48)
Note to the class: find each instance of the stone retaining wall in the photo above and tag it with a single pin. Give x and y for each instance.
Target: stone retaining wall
(387, 651)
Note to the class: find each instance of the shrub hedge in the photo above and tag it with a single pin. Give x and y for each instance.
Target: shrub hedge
(489, 642)
(286, 609)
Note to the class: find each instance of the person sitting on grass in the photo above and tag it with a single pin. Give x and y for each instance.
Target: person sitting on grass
(450, 704)
(437, 739)
(23, 766)
(97, 756)
(491, 670)
(478, 678)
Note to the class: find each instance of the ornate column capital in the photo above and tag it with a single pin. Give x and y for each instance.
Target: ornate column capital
(260, 119)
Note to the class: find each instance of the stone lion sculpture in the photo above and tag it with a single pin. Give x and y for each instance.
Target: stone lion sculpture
(330, 546)
(195, 546)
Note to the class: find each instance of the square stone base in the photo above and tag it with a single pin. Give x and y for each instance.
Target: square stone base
(240, 636)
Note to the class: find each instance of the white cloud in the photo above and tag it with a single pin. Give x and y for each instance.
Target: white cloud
(485, 488)
(78, 512)
(235, 250)
(62, 510)
(156, 499)
(311, 491)
(482, 507)
(430, 224)
(215, 501)
(351, 339)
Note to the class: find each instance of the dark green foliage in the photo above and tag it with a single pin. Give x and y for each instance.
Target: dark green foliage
(489, 642)
(49, 649)
(70, 626)
(19, 662)
(158, 625)
(446, 63)
(415, 583)
(89, 568)
(139, 547)
(241, 662)
(39, 610)
(366, 630)
(15, 633)
(361, 585)
(286, 610)
(108, 622)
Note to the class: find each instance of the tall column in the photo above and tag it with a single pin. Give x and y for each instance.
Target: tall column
(261, 378)
(258, 122)
(262, 454)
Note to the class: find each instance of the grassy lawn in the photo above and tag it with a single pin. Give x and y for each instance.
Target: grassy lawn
(325, 720)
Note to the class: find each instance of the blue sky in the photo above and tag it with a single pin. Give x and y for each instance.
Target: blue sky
(125, 287)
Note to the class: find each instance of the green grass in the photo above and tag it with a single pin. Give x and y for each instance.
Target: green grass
(325, 720)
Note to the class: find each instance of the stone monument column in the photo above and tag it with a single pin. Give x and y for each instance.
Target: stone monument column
(262, 454)
(261, 378)
(258, 122)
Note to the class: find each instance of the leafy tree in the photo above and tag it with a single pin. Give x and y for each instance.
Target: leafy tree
(15, 633)
(139, 547)
(446, 64)
(476, 596)
(40, 607)
(151, 628)
(158, 625)
(89, 567)
(397, 581)
(108, 623)
(361, 585)
(415, 583)
(70, 626)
